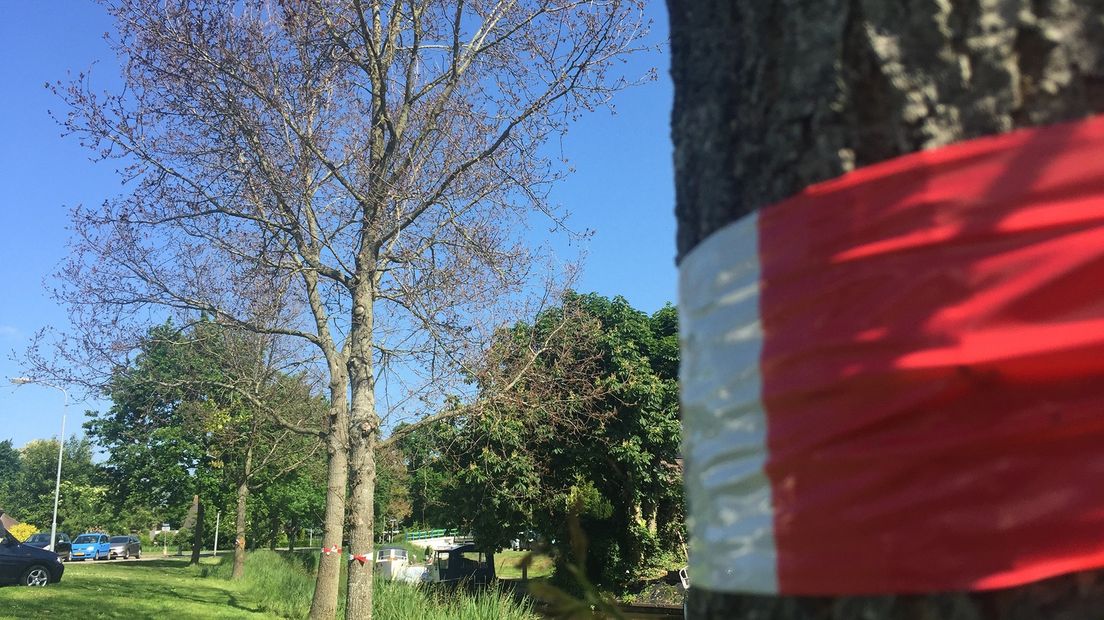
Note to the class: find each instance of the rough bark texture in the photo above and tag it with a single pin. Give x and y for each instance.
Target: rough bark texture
(239, 521)
(364, 424)
(324, 602)
(197, 542)
(773, 96)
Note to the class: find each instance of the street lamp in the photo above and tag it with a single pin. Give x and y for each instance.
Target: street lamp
(61, 449)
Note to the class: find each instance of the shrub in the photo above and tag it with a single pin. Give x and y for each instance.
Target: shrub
(22, 531)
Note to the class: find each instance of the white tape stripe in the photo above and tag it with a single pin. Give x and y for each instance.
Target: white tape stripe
(731, 522)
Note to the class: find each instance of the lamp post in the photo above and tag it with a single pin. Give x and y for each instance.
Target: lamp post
(61, 450)
(217, 516)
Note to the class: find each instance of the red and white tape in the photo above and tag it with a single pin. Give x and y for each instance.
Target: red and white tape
(894, 381)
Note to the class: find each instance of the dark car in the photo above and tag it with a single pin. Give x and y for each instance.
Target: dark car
(27, 565)
(42, 540)
(125, 547)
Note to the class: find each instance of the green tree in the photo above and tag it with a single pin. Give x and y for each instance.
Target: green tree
(609, 444)
(393, 496)
(159, 430)
(204, 412)
(9, 471)
(81, 503)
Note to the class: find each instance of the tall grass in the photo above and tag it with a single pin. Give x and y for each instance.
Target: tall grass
(284, 583)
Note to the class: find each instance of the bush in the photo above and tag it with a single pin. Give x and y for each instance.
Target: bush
(22, 531)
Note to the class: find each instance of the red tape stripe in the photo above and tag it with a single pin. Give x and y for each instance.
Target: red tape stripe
(933, 368)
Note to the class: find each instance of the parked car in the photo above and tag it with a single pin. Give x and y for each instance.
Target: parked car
(42, 541)
(27, 565)
(91, 545)
(125, 547)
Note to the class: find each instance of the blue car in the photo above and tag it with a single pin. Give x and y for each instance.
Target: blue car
(94, 546)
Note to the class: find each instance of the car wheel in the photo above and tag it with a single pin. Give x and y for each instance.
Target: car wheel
(126, 555)
(138, 556)
(36, 576)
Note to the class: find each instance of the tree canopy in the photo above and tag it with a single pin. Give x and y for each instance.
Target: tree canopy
(608, 446)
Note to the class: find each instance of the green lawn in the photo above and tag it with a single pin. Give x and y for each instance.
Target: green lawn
(508, 565)
(140, 589)
(275, 585)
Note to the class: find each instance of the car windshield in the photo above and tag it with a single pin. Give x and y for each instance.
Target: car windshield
(120, 539)
(87, 538)
(38, 538)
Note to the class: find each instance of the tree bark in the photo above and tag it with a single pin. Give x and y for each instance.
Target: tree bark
(364, 424)
(324, 602)
(773, 96)
(197, 541)
(239, 521)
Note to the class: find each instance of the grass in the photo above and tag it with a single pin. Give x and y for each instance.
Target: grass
(275, 585)
(508, 565)
(286, 582)
(147, 589)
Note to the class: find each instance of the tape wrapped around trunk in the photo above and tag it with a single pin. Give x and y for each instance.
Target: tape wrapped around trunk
(894, 381)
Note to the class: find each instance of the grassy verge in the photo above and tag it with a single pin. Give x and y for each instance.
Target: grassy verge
(166, 588)
(508, 565)
(284, 583)
(275, 585)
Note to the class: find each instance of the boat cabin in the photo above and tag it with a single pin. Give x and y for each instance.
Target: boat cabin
(462, 562)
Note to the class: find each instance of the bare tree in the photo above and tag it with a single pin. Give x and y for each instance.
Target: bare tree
(772, 97)
(369, 165)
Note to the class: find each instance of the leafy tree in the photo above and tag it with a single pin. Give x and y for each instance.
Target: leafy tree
(9, 471)
(427, 480)
(182, 428)
(284, 503)
(393, 497)
(608, 446)
(159, 431)
(80, 502)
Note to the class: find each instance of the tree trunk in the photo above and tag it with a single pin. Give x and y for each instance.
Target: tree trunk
(773, 96)
(239, 522)
(197, 541)
(364, 424)
(324, 602)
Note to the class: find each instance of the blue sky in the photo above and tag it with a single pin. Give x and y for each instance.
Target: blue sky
(622, 188)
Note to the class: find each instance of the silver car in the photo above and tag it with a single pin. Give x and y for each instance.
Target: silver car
(125, 547)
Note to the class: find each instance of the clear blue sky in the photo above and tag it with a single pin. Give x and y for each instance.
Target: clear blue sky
(622, 188)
